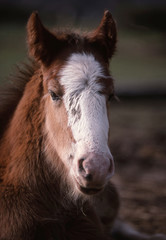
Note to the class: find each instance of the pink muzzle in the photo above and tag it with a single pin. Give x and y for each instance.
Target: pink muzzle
(93, 171)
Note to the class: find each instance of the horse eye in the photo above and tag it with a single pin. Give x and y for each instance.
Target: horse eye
(54, 96)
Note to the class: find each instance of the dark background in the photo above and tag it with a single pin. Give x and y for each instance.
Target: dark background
(139, 65)
(138, 128)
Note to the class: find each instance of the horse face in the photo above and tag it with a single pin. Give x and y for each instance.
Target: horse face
(77, 121)
(77, 86)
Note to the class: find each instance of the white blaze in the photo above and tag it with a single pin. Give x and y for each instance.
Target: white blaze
(86, 107)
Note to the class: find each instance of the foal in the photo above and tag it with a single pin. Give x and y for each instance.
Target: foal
(57, 165)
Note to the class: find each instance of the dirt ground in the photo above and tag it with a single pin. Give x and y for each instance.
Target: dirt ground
(138, 143)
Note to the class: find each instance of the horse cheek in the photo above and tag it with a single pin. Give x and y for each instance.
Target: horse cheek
(60, 135)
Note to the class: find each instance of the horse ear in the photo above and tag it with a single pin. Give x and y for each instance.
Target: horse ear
(42, 44)
(105, 36)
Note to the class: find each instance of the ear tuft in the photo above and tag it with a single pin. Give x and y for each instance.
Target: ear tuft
(106, 34)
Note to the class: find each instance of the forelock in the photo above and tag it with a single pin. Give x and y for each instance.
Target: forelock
(80, 72)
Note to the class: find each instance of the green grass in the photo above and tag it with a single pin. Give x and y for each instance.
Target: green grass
(140, 61)
(12, 48)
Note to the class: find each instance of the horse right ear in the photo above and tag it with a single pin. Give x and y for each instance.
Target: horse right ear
(105, 36)
(43, 45)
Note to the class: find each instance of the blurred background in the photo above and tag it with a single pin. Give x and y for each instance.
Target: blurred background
(139, 65)
(138, 129)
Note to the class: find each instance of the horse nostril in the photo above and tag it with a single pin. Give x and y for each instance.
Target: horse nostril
(80, 165)
(89, 177)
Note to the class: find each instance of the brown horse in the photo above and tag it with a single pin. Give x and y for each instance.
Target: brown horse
(55, 161)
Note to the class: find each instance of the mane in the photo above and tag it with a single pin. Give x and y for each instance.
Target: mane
(11, 93)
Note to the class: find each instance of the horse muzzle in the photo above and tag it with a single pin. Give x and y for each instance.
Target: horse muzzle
(93, 172)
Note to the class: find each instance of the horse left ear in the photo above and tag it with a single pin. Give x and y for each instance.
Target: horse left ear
(43, 45)
(105, 36)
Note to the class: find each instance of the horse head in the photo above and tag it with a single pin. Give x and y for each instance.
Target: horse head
(77, 89)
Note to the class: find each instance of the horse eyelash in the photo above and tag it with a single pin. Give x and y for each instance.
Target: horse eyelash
(113, 97)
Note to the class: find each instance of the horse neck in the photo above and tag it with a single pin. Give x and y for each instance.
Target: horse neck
(21, 144)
